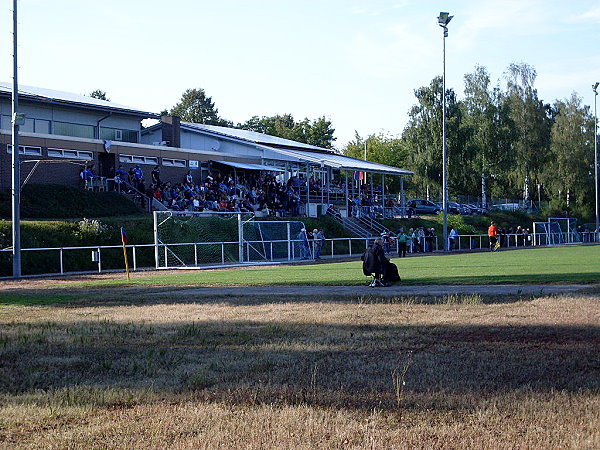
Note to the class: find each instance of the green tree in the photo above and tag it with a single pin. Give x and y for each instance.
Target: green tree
(196, 107)
(319, 132)
(490, 132)
(570, 167)
(100, 95)
(532, 122)
(380, 148)
(423, 136)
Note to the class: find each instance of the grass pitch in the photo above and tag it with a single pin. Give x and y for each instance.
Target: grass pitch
(97, 364)
(576, 264)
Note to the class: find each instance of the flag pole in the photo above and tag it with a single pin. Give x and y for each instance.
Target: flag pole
(123, 239)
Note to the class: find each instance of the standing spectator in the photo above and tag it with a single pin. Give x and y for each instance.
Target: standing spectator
(452, 238)
(138, 178)
(304, 245)
(188, 177)
(156, 176)
(319, 237)
(493, 235)
(120, 177)
(402, 242)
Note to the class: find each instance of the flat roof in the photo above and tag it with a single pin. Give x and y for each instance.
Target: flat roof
(68, 98)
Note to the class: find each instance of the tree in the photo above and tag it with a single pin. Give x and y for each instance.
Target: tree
(490, 131)
(196, 107)
(381, 148)
(532, 122)
(100, 95)
(318, 132)
(572, 156)
(423, 136)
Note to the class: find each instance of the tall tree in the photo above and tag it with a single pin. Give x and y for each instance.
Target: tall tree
(490, 131)
(533, 123)
(196, 107)
(100, 95)
(572, 156)
(423, 136)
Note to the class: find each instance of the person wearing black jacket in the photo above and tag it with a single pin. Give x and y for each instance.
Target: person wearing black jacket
(374, 262)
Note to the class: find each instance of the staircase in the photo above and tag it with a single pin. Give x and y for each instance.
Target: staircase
(364, 227)
(140, 198)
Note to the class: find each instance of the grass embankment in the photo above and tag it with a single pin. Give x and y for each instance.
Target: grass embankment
(118, 369)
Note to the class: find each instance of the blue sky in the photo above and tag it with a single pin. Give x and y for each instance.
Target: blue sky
(355, 62)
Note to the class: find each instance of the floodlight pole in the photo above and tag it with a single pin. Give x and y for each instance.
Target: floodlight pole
(16, 169)
(597, 229)
(443, 21)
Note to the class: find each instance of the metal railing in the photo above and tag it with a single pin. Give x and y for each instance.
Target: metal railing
(332, 248)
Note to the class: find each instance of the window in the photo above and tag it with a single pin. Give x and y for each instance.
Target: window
(5, 123)
(71, 154)
(30, 126)
(136, 159)
(26, 150)
(114, 134)
(42, 126)
(74, 129)
(168, 162)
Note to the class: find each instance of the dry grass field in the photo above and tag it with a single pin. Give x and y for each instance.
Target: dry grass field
(119, 368)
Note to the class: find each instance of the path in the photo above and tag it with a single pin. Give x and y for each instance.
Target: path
(392, 291)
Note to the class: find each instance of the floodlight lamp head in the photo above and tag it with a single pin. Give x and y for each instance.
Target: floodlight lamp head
(444, 19)
(595, 87)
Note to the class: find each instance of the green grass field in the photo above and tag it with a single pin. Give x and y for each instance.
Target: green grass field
(580, 264)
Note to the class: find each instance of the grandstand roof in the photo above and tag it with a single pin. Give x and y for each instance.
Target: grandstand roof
(255, 137)
(297, 151)
(340, 162)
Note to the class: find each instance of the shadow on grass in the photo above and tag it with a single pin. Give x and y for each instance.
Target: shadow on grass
(289, 363)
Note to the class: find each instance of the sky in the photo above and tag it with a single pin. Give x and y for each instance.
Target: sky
(357, 63)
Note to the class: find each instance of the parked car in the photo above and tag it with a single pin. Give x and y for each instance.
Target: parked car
(475, 209)
(507, 207)
(421, 206)
(453, 207)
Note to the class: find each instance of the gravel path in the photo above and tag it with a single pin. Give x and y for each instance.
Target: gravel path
(392, 291)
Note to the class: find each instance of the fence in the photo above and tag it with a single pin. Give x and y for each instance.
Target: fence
(333, 248)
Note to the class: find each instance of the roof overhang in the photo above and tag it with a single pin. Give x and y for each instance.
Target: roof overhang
(336, 161)
(249, 166)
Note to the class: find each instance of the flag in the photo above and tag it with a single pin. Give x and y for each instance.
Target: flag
(124, 241)
(359, 175)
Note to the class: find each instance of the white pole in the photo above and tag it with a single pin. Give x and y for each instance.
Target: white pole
(595, 87)
(444, 150)
(16, 169)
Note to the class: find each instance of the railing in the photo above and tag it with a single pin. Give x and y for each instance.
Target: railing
(332, 248)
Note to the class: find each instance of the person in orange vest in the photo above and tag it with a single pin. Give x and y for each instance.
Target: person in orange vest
(493, 235)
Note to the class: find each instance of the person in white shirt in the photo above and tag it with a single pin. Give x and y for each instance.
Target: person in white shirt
(452, 238)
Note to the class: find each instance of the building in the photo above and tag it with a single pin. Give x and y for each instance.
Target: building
(64, 132)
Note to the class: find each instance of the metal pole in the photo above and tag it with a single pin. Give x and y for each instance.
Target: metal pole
(444, 155)
(595, 87)
(16, 169)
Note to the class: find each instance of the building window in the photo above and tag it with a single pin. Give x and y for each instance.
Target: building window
(5, 123)
(74, 129)
(169, 162)
(71, 154)
(26, 150)
(114, 134)
(136, 159)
